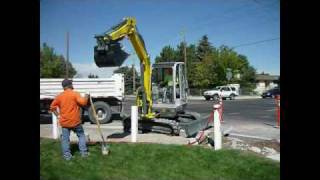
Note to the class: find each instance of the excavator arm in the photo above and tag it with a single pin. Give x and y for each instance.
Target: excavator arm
(108, 53)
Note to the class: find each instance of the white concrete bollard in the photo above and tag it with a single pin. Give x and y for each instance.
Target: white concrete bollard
(54, 126)
(217, 128)
(134, 123)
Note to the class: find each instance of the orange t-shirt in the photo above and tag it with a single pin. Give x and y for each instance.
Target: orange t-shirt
(69, 103)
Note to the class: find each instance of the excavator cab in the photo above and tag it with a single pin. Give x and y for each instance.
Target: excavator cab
(169, 87)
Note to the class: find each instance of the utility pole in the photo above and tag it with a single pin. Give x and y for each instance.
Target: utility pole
(133, 76)
(185, 54)
(185, 58)
(133, 79)
(67, 61)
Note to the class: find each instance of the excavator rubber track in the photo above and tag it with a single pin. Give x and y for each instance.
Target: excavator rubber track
(185, 125)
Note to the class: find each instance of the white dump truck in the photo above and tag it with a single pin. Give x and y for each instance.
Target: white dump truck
(107, 95)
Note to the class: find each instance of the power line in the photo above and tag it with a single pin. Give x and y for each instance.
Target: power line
(253, 43)
(208, 20)
(231, 19)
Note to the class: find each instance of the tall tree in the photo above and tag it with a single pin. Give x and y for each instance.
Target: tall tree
(53, 65)
(167, 54)
(204, 47)
(248, 74)
(207, 65)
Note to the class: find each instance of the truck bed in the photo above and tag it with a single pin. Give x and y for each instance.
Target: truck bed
(98, 87)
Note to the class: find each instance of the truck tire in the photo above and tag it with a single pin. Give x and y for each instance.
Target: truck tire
(103, 111)
(207, 98)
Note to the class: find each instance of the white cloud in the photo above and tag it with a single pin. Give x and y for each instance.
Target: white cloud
(85, 69)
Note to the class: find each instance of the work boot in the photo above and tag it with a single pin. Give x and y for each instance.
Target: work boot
(67, 156)
(85, 154)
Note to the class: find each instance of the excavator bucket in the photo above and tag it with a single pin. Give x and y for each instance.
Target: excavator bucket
(109, 54)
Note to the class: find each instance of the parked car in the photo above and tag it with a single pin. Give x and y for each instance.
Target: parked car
(271, 93)
(223, 91)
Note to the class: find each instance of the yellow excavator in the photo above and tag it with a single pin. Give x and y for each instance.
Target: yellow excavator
(162, 98)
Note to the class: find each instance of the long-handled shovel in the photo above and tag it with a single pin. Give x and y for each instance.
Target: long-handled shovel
(104, 148)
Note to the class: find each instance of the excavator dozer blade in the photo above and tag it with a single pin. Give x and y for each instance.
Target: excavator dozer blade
(109, 55)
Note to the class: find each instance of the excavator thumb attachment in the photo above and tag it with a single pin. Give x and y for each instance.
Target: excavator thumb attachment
(109, 54)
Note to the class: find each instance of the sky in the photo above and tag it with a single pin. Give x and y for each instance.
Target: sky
(251, 26)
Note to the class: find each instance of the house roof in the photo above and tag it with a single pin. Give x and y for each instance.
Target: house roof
(267, 77)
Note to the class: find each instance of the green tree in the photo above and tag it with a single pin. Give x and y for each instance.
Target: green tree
(204, 48)
(53, 65)
(207, 65)
(248, 74)
(167, 54)
(192, 62)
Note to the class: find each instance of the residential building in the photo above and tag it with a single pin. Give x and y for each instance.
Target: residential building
(265, 82)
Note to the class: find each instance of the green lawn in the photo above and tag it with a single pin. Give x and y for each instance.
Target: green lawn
(153, 162)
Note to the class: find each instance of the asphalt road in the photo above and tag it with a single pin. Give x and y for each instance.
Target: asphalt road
(247, 117)
(251, 110)
(251, 117)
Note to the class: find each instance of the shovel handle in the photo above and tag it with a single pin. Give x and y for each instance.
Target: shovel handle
(95, 116)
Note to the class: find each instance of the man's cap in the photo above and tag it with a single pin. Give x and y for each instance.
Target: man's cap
(66, 82)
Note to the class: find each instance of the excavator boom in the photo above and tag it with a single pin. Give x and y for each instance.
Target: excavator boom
(108, 53)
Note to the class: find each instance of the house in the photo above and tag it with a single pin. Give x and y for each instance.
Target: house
(265, 82)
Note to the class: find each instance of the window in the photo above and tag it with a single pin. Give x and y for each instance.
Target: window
(233, 88)
(225, 89)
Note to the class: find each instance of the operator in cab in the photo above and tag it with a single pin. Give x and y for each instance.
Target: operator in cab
(167, 85)
(168, 79)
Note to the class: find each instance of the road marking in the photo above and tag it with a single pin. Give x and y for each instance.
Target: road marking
(236, 113)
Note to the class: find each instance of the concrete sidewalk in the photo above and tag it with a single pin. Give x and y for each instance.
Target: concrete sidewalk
(202, 98)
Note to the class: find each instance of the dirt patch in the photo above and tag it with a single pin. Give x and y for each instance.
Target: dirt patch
(270, 144)
(274, 144)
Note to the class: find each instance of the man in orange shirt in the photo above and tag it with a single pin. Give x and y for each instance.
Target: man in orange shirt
(69, 103)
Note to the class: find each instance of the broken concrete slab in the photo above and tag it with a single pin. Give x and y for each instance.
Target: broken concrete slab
(255, 149)
(267, 150)
(275, 157)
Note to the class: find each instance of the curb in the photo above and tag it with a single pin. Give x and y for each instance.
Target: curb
(249, 136)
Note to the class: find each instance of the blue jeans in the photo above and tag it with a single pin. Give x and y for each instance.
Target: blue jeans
(65, 141)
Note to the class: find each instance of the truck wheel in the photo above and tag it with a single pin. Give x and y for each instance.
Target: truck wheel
(207, 98)
(103, 111)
